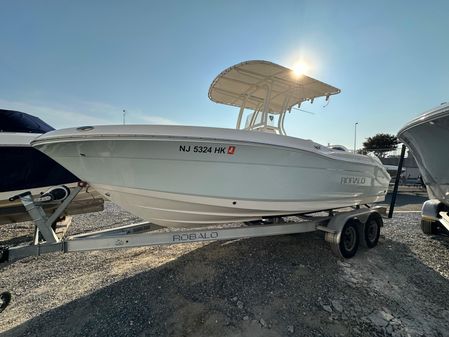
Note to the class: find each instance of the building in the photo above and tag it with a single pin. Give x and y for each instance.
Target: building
(409, 167)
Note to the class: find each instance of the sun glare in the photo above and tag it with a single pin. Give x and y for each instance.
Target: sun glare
(300, 68)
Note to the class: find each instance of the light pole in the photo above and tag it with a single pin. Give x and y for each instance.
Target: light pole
(124, 115)
(355, 136)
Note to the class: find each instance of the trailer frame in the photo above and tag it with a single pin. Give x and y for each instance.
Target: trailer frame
(344, 230)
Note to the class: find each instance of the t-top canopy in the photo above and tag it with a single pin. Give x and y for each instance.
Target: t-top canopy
(253, 84)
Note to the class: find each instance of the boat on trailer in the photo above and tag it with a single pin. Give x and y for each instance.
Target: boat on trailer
(426, 137)
(183, 176)
(179, 176)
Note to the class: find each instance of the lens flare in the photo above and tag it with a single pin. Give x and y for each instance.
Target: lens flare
(300, 68)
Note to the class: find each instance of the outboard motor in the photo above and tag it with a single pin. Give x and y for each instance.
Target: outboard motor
(57, 193)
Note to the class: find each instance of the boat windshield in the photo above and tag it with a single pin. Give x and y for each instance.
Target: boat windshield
(15, 121)
(255, 120)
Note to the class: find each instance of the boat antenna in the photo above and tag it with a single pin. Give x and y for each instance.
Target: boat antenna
(302, 110)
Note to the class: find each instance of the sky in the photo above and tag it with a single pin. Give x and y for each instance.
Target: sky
(75, 63)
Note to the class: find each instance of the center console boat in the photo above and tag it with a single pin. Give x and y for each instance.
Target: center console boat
(183, 176)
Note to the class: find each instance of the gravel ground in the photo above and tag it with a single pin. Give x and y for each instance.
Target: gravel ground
(288, 285)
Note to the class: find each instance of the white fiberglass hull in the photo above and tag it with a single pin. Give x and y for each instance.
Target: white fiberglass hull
(427, 138)
(190, 176)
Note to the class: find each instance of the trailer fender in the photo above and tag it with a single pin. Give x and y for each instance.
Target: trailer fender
(430, 210)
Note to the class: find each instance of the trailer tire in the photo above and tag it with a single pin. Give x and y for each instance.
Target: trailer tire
(429, 227)
(5, 299)
(348, 243)
(372, 230)
(4, 252)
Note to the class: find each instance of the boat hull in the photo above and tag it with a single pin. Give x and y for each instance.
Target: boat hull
(427, 137)
(183, 210)
(24, 168)
(178, 181)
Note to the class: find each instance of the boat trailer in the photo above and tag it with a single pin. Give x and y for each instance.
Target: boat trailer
(434, 214)
(344, 230)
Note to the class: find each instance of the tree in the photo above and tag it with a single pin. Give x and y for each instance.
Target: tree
(380, 144)
(362, 151)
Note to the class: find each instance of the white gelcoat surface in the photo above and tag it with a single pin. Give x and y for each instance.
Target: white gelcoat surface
(154, 172)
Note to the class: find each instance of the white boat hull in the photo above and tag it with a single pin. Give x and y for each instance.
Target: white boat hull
(427, 137)
(183, 210)
(187, 176)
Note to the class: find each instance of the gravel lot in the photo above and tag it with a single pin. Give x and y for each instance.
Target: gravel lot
(278, 286)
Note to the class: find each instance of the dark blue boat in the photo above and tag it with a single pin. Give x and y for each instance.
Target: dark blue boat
(21, 166)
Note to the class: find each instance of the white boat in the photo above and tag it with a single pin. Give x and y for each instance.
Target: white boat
(427, 137)
(183, 176)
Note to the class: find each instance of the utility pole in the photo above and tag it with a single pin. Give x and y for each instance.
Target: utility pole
(355, 136)
(124, 115)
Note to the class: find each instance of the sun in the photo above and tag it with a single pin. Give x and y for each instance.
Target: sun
(300, 68)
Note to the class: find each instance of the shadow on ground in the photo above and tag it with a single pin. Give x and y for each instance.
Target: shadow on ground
(407, 199)
(14, 241)
(286, 285)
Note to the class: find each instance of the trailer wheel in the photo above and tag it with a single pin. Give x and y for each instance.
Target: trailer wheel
(372, 229)
(5, 298)
(3, 254)
(348, 244)
(429, 227)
